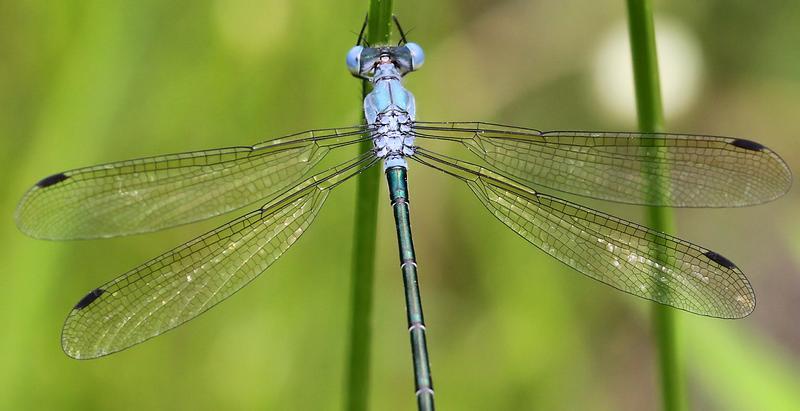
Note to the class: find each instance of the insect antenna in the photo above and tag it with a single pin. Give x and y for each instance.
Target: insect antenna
(400, 29)
(361, 33)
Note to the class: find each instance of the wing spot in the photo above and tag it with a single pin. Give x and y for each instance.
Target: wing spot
(51, 180)
(89, 298)
(747, 144)
(719, 259)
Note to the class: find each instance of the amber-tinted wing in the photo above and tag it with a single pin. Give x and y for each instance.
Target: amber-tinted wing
(181, 284)
(662, 169)
(153, 193)
(622, 254)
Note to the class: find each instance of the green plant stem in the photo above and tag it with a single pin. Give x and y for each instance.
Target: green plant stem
(651, 119)
(365, 225)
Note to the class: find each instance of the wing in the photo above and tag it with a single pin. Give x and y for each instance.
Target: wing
(153, 193)
(624, 255)
(183, 283)
(676, 170)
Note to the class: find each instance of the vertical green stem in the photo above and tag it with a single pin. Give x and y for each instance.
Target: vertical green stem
(365, 225)
(651, 119)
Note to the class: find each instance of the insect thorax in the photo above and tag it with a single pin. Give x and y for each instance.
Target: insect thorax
(392, 138)
(390, 110)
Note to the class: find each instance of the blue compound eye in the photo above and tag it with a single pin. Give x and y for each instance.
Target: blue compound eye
(417, 55)
(354, 60)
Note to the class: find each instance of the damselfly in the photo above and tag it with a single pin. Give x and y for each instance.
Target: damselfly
(517, 164)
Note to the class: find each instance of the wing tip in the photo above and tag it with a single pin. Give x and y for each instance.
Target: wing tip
(76, 354)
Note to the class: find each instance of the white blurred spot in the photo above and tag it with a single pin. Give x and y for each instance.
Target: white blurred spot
(680, 68)
(251, 27)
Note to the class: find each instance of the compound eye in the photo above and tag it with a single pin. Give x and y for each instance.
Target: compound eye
(417, 55)
(354, 60)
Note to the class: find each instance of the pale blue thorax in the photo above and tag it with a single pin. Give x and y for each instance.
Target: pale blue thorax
(389, 108)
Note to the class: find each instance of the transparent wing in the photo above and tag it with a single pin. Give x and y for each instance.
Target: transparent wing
(183, 283)
(676, 170)
(153, 193)
(624, 255)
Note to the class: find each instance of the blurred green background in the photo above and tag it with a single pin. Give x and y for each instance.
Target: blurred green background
(85, 82)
